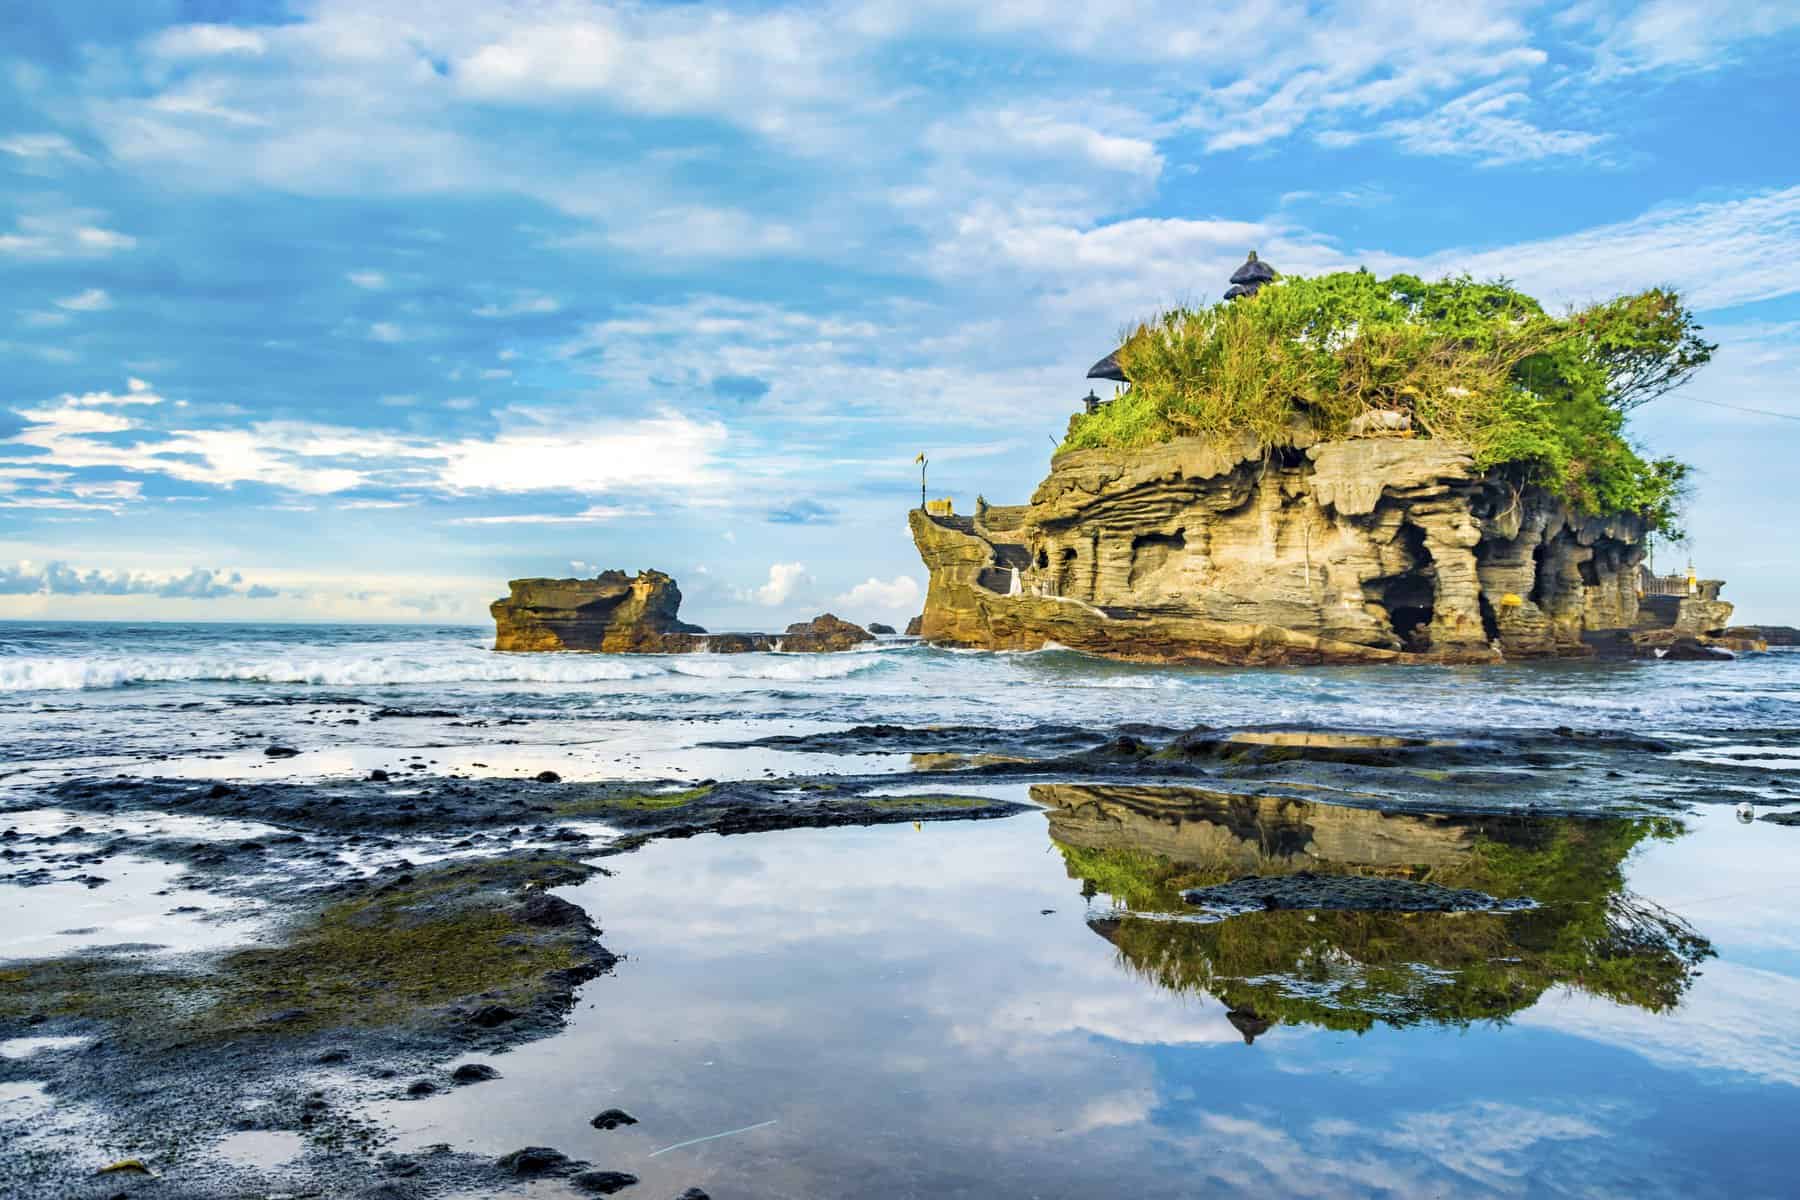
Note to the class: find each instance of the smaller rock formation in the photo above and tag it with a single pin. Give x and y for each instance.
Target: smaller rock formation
(1769, 635)
(915, 626)
(614, 613)
(877, 627)
(823, 634)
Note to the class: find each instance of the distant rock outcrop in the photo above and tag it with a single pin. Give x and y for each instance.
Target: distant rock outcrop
(823, 634)
(614, 613)
(1378, 549)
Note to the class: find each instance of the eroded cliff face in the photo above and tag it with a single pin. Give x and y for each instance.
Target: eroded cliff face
(613, 612)
(1377, 549)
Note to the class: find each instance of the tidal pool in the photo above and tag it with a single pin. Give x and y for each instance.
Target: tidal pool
(1006, 1008)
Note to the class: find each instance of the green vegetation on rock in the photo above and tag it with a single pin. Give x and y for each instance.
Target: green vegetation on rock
(1540, 398)
(601, 803)
(386, 954)
(1350, 970)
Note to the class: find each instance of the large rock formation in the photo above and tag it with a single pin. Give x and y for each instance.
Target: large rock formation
(614, 613)
(1367, 550)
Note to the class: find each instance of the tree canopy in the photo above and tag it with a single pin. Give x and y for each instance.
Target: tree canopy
(1538, 397)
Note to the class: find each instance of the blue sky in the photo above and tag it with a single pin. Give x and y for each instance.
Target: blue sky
(325, 310)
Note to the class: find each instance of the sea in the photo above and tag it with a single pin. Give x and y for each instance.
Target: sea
(1010, 1008)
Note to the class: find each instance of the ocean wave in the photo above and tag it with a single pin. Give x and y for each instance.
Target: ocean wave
(47, 674)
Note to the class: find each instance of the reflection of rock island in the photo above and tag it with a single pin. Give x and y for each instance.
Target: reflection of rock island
(616, 614)
(1349, 970)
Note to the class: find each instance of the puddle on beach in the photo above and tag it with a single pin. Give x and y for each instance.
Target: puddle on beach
(259, 1147)
(141, 904)
(1001, 1009)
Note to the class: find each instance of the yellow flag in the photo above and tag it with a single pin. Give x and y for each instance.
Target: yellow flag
(921, 457)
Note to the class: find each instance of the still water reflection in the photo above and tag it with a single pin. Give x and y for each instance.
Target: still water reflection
(1349, 970)
(915, 1023)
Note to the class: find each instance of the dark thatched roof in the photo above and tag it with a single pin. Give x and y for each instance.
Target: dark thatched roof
(1108, 368)
(1254, 273)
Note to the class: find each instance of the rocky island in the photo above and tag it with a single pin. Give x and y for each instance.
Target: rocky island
(1461, 492)
(615, 613)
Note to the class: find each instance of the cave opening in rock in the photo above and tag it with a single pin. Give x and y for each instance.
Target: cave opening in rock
(1410, 595)
(1540, 579)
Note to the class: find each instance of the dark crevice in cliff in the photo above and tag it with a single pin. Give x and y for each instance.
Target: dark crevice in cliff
(1540, 579)
(1409, 596)
(1490, 623)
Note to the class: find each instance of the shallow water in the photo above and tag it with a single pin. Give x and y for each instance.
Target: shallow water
(901, 1007)
(1022, 1007)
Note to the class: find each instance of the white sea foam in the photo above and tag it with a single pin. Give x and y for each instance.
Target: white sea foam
(349, 667)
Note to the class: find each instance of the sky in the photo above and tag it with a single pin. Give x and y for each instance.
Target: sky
(329, 310)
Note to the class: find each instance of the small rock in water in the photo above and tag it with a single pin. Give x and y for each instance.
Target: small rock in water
(533, 1160)
(281, 752)
(474, 1073)
(548, 777)
(378, 776)
(603, 1182)
(693, 1194)
(421, 1087)
(612, 1118)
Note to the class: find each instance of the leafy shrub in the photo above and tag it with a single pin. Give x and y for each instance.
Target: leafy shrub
(1540, 398)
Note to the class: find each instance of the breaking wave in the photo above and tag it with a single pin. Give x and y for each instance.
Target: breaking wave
(457, 666)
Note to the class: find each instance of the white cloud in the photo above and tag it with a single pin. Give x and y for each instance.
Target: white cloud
(900, 594)
(1697, 35)
(784, 578)
(25, 578)
(526, 304)
(1720, 253)
(596, 514)
(207, 41)
(369, 281)
(386, 331)
(543, 452)
(1484, 125)
(92, 300)
(71, 234)
(42, 148)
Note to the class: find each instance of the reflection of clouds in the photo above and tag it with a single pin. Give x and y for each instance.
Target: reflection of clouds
(897, 1002)
(1483, 1148)
(1486, 1142)
(1732, 882)
(1736, 1018)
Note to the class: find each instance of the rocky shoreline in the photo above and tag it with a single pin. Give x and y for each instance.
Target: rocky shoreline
(410, 929)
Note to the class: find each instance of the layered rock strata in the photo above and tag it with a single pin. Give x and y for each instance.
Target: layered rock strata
(615, 613)
(1367, 550)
